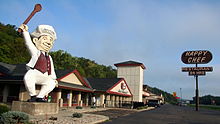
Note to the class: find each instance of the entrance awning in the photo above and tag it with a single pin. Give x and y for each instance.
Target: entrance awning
(69, 86)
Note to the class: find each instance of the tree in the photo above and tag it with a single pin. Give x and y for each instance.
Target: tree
(86, 67)
(167, 96)
(12, 47)
(13, 51)
(208, 100)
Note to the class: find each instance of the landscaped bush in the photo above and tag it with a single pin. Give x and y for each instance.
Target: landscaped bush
(14, 117)
(93, 107)
(79, 107)
(142, 107)
(77, 115)
(137, 104)
(3, 108)
(127, 105)
(173, 102)
(53, 118)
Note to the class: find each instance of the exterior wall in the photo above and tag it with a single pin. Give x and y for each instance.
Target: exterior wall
(141, 84)
(118, 88)
(71, 78)
(134, 78)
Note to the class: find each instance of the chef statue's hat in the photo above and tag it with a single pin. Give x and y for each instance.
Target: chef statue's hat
(44, 30)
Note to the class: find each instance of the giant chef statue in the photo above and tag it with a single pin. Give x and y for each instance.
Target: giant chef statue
(40, 67)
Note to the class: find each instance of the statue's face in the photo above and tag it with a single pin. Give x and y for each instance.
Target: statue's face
(44, 43)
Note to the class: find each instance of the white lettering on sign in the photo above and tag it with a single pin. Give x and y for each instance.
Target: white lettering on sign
(123, 91)
(196, 73)
(196, 53)
(187, 69)
(196, 59)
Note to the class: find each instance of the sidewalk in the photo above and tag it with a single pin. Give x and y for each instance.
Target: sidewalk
(90, 115)
(65, 117)
(113, 113)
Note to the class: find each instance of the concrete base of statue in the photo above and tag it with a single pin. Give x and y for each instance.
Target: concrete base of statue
(35, 108)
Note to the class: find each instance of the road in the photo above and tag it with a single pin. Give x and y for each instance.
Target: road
(169, 114)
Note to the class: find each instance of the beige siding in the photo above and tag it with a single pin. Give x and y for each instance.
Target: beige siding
(71, 78)
(118, 89)
(133, 75)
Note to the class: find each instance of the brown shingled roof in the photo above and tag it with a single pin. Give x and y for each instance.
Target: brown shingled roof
(130, 63)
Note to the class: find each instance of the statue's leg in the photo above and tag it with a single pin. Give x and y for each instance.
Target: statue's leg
(48, 84)
(30, 81)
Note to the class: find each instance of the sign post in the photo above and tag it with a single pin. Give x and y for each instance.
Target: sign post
(196, 57)
(197, 93)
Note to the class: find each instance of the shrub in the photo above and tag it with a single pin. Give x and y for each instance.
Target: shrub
(137, 104)
(53, 118)
(93, 107)
(173, 103)
(3, 108)
(14, 117)
(142, 107)
(79, 107)
(77, 115)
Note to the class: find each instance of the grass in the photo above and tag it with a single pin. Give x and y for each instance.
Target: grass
(142, 107)
(212, 107)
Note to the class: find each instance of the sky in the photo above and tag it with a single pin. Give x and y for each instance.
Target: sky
(153, 32)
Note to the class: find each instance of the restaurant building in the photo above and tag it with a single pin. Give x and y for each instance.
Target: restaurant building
(72, 90)
(75, 90)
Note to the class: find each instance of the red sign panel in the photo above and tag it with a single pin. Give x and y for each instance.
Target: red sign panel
(177, 97)
(123, 86)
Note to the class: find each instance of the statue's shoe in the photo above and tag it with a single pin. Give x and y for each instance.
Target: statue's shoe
(32, 99)
(41, 100)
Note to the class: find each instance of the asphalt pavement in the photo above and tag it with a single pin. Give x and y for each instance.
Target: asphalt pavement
(170, 114)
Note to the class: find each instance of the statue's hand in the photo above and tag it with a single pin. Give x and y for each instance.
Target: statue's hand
(56, 82)
(24, 28)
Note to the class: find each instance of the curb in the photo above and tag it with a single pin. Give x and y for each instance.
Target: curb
(100, 121)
